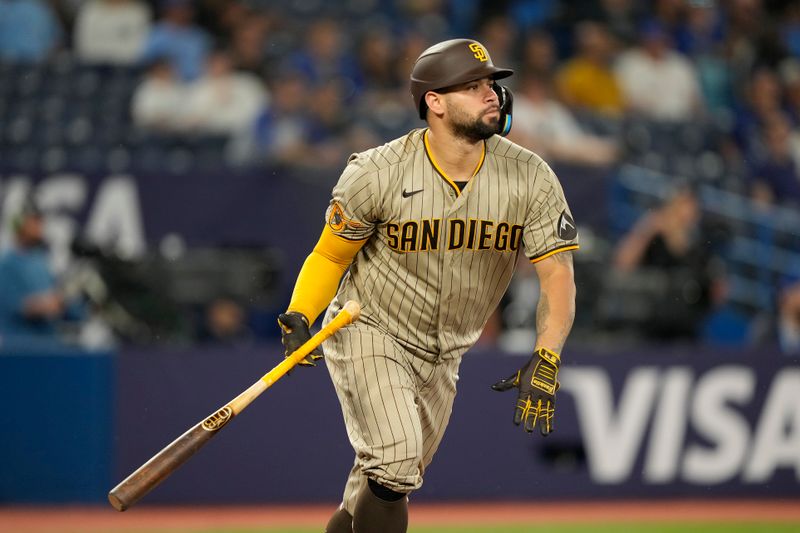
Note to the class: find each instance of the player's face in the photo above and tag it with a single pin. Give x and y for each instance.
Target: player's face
(473, 110)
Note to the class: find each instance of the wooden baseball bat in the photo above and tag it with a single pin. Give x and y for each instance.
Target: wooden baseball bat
(161, 465)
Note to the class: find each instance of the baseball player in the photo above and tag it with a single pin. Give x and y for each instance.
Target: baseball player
(425, 232)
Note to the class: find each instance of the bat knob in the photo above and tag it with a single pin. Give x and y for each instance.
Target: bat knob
(116, 502)
(353, 309)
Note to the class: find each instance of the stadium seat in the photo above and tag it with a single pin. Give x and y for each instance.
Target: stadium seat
(53, 159)
(118, 160)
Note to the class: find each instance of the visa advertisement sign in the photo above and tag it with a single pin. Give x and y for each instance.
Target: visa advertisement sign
(689, 426)
(643, 422)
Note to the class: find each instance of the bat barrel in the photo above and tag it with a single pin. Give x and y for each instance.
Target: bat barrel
(157, 469)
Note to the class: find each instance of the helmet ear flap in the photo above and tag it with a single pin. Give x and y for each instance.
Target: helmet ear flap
(506, 98)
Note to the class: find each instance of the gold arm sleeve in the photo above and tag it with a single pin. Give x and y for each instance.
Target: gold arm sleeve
(319, 278)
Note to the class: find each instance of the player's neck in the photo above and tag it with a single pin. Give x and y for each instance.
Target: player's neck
(457, 157)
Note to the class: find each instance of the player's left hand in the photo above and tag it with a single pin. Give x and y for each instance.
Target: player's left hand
(294, 333)
(537, 382)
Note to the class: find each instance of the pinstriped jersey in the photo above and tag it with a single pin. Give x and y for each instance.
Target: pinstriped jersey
(435, 260)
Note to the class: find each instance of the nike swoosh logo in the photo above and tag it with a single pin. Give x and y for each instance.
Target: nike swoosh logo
(406, 193)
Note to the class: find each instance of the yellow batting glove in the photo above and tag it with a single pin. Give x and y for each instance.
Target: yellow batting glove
(537, 382)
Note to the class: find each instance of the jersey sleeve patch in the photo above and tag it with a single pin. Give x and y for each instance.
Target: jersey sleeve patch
(336, 218)
(567, 230)
(343, 226)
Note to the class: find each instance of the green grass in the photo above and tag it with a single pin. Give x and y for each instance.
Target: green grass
(715, 527)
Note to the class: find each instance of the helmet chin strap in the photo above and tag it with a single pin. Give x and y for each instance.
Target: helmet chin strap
(506, 107)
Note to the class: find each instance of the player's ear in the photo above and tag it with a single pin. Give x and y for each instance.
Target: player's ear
(435, 102)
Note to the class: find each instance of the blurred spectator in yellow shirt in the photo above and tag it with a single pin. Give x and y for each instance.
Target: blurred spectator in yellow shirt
(586, 82)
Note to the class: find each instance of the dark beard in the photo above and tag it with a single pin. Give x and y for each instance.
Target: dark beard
(477, 130)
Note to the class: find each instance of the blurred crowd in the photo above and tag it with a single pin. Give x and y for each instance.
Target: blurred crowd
(281, 79)
(305, 83)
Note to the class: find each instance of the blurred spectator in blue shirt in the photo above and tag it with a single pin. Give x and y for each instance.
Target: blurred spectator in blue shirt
(377, 60)
(774, 177)
(762, 101)
(326, 56)
(384, 102)
(29, 30)
(530, 15)
(302, 120)
(702, 39)
(702, 30)
(31, 304)
(790, 28)
(330, 125)
(278, 135)
(175, 36)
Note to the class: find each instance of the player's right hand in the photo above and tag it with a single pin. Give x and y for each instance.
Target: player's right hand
(294, 333)
(537, 382)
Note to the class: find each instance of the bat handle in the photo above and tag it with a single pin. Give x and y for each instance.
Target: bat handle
(350, 312)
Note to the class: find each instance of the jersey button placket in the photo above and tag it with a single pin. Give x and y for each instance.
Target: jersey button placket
(446, 267)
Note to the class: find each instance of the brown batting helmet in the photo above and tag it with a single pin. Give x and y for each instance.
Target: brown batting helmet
(450, 63)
